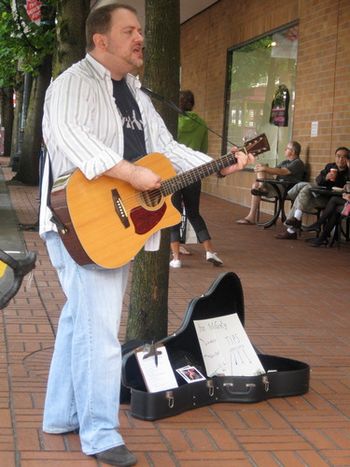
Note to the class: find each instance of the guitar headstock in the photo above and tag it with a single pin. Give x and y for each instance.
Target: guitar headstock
(257, 145)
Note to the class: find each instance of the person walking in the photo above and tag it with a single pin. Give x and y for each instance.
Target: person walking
(192, 131)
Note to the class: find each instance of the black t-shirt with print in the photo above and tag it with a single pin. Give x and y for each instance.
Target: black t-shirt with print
(134, 136)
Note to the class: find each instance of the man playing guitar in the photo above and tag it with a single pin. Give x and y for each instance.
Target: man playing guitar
(97, 120)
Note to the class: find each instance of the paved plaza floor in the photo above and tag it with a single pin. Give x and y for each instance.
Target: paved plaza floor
(296, 305)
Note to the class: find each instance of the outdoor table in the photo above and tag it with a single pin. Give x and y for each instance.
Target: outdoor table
(324, 191)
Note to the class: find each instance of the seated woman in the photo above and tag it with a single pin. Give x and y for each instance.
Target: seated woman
(328, 220)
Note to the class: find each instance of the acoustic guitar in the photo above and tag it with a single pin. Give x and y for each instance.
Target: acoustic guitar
(106, 221)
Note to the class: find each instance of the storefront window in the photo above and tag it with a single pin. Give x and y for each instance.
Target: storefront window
(261, 91)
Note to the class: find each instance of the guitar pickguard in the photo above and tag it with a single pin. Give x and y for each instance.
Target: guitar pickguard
(145, 220)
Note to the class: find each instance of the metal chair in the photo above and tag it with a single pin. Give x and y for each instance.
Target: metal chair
(341, 228)
(278, 200)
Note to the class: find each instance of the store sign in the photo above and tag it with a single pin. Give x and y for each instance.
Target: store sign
(33, 8)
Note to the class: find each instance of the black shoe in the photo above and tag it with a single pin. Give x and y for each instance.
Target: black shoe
(315, 227)
(259, 192)
(286, 235)
(317, 242)
(119, 456)
(294, 222)
(20, 267)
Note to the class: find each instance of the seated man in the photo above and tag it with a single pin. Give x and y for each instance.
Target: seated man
(333, 175)
(328, 220)
(330, 215)
(290, 170)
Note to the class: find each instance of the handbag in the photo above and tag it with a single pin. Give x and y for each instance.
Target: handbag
(187, 232)
(346, 209)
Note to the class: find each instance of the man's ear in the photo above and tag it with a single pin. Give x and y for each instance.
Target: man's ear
(100, 41)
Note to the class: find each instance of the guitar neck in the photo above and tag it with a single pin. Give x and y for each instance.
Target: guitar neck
(180, 181)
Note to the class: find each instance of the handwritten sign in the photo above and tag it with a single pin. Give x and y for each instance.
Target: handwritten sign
(226, 348)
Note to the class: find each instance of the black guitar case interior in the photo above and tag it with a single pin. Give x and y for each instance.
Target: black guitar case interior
(283, 377)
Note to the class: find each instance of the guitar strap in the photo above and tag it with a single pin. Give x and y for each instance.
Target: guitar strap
(45, 159)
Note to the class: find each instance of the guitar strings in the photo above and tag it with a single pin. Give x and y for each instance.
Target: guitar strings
(181, 180)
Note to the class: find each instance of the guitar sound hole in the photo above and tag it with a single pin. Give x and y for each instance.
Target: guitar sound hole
(151, 198)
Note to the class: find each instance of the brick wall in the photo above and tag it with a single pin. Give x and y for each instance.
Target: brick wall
(323, 78)
(322, 81)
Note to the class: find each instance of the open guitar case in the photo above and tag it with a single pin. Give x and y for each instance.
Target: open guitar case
(283, 376)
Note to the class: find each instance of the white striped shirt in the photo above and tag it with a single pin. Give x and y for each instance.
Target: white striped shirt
(82, 128)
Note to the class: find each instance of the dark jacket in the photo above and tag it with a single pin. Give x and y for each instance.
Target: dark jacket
(341, 178)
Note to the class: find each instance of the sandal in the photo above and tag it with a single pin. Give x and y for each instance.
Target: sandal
(259, 192)
(184, 251)
(245, 222)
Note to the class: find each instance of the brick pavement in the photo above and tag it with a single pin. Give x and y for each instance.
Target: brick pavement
(296, 305)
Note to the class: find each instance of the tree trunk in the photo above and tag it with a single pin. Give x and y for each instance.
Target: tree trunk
(22, 106)
(28, 171)
(148, 310)
(71, 17)
(16, 122)
(6, 106)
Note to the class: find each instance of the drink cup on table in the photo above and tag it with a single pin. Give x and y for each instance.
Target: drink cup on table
(333, 174)
(347, 187)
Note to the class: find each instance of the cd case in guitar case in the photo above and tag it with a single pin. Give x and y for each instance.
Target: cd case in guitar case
(282, 376)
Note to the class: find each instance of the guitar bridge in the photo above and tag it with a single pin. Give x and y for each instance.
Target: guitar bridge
(119, 208)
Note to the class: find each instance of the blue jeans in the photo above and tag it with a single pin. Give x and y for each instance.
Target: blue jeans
(84, 379)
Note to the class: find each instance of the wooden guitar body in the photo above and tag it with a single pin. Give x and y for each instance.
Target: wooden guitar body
(109, 218)
(106, 221)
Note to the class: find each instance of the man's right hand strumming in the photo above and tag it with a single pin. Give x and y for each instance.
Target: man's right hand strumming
(141, 178)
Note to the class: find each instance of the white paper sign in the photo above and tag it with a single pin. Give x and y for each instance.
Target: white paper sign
(157, 377)
(226, 348)
(314, 129)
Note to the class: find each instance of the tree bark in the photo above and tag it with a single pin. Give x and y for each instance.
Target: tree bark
(71, 16)
(7, 117)
(70, 29)
(16, 122)
(148, 310)
(28, 171)
(22, 109)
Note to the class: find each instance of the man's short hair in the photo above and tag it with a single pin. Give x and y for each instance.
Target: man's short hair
(345, 149)
(296, 147)
(99, 20)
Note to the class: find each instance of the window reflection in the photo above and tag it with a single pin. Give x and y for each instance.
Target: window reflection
(261, 91)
